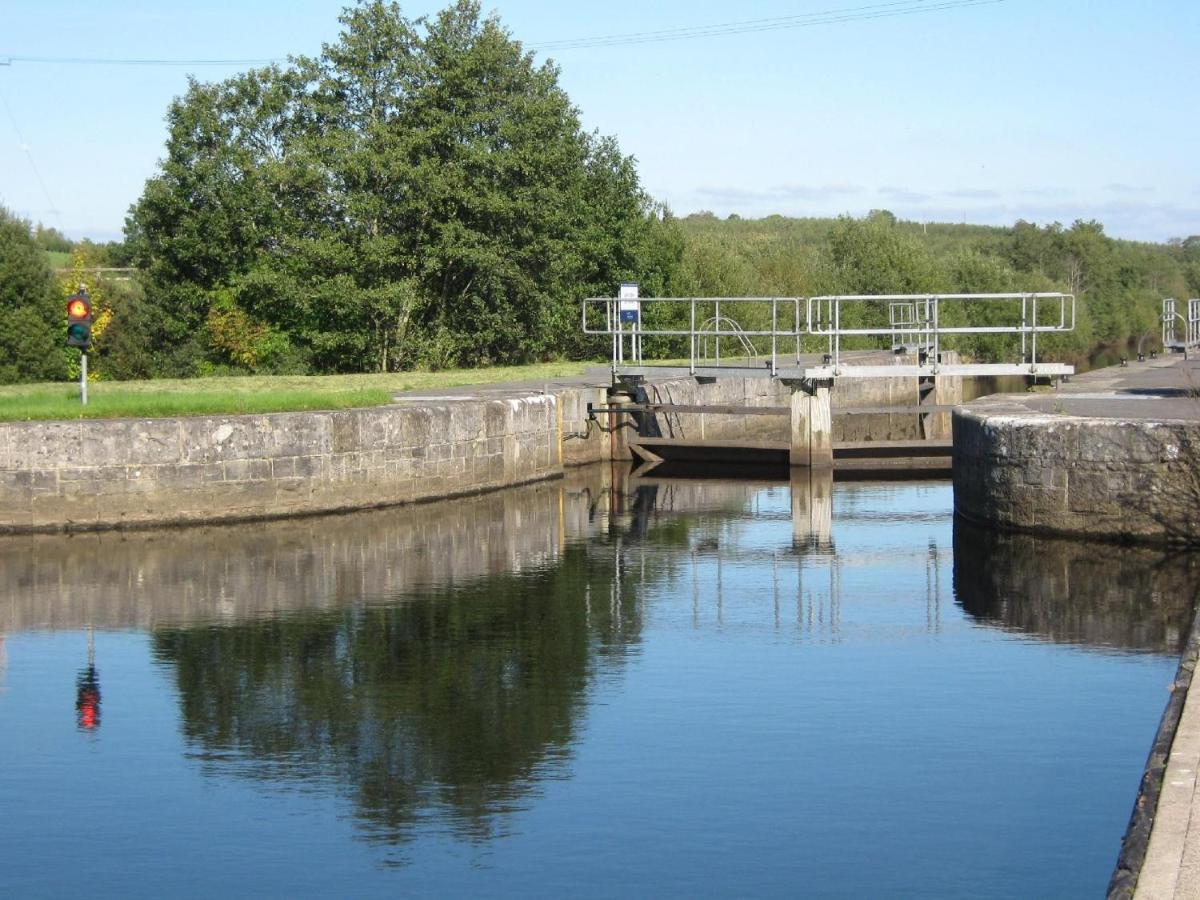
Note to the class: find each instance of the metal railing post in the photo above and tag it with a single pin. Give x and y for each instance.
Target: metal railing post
(935, 303)
(1024, 324)
(608, 311)
(774, 329)
(837, 331)
(796, 326)
(717, 329)
(692, 337)
(1033, 339)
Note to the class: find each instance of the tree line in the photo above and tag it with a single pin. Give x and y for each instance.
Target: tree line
(1118, 284)
(422, 194)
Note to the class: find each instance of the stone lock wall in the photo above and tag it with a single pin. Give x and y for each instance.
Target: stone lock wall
(117, 473)
(114, 473)
(1131, 480)
(584, 440)
(850, 393)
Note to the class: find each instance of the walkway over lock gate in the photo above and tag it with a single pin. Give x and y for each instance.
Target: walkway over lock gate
(809, 339)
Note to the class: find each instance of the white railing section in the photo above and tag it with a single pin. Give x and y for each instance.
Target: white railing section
(918, 320)
(1173, 336)
(769, 332)
(700, 320)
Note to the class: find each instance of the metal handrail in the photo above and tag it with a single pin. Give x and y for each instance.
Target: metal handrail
(915, 316)
(738, 331)
(786, 326)
(1191, 325)
(825, 318)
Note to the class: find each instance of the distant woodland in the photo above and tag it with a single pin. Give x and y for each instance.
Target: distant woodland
(1119, 285)
(422, 195)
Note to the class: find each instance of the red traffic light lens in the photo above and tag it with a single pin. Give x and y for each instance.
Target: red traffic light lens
(78, 308)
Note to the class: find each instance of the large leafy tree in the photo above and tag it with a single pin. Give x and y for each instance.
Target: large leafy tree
(422, 192)
(32, 320)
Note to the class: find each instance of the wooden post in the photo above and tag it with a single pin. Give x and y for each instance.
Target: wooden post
(812, 424)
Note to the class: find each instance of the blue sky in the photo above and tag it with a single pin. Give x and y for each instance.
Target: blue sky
(1038, 109)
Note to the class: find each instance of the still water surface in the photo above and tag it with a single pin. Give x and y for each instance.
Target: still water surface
(585, 689)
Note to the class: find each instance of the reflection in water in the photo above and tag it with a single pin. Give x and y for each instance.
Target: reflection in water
(142, 580)
(812, 508)
(87, 698)
(441, 665)
(87, 690)
(1099, 595)
(448, 698)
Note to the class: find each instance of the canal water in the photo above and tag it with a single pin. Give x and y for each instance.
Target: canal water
(594, 687)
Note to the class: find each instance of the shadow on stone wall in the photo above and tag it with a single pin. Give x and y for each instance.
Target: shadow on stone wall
(1068, 591)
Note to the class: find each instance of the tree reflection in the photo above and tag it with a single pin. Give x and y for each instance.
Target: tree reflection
(449, 702)
(1085, 592)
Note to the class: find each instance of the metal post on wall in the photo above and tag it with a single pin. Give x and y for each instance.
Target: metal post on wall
(692, 338)
(83, 378)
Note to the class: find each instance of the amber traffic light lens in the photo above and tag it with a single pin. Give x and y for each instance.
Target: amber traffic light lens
(78, 309)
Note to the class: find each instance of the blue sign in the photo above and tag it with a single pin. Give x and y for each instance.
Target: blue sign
(629, 316)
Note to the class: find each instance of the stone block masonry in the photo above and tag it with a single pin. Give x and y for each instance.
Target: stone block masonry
(96, 474)
(99, 474)
(1120, 465)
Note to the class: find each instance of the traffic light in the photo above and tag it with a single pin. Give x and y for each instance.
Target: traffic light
(79, 320)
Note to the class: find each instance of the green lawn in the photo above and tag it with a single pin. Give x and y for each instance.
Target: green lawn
(250, 394)
(59, 259)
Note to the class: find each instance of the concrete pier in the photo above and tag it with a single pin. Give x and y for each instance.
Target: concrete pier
(811, 425)
(1115, 454)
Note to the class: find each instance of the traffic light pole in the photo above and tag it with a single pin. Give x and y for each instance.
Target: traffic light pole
(79, 333)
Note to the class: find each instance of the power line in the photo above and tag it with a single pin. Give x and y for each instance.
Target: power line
(54, 211)
(693, 32)
(825, 17)
(101, 61)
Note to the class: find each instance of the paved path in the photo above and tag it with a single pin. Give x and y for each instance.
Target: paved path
(1172, 865)
(1163, 389)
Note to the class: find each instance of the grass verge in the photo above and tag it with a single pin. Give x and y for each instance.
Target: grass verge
(249, 394)
(58, 401)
